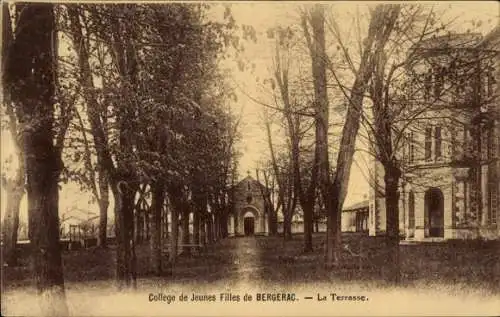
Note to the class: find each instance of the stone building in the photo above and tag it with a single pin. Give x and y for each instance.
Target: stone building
(450, 155)
(248, 215)
(355, 217)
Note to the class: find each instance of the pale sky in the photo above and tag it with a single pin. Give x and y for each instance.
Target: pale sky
(263, 15)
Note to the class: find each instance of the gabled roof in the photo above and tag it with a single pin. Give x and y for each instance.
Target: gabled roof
(360, 205)
(251, 179)
(78, 214)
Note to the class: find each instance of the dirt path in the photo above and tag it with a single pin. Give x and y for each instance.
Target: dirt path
(246, 257)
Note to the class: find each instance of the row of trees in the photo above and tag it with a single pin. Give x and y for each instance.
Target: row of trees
(302, 97)
(372, 79)
(108, 96)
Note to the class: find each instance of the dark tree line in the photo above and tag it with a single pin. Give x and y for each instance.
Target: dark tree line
(136, 109)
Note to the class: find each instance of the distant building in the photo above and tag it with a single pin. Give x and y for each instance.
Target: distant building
(248, 216)
(297, 225)
(81, 222)
(450, 183)
(355, 217)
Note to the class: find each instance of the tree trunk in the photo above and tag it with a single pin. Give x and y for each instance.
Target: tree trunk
(176, 198)
(199, 220)
(203, 230)
(281, 186)
(31, 73)
(273, 221)
(333, 230)
(174, 241)
(85, 80)
(158, 197)
(146, 224)
(124, 223)
(308, 228)
(14, 188)
(381, 25)
(331, 223)
(103, 224)
(15, 193)
(221, 220)
(270, 222)
(43, 197)
(185, 231)
(210, 229)
(165, 222)
(216, 227)
(316, 44)
(103, 210)
(391, 178)
(224, 224)
(383, 124)
(235, 223)
(196, 228)
(287, 226)
(122, 193)
(139, 225)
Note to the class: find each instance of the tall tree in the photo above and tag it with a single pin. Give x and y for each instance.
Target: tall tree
(82, 169)
(382, 22)
(13, 186)
(268, 192)
(119, 35)
(283, 174)
(32, 79)
(316, 45)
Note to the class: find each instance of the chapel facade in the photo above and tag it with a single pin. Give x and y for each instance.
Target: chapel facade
(248, 216)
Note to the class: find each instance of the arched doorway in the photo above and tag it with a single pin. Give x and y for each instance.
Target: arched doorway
(249, 223)
(434, 212)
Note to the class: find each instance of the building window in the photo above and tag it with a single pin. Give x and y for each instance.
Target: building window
(485, 143)
(437, 140)
(428, 143)
(411, 151)
(438, 85)
(475, 195)
(491, 145)
(493, 203)
(427, 85)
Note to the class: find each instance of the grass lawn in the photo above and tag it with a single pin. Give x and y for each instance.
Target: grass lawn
(471, 263)
(270, 260)
(448, 278)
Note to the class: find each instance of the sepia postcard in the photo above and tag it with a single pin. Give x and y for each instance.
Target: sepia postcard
(250, 158)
